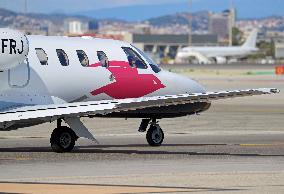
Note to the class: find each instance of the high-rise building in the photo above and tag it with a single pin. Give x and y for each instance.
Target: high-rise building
(232, 24)
(221, 24)
(75, 27)
(93, 26)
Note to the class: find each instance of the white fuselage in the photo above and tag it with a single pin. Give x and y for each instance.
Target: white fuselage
(214, 52)
(236, 51)
(32, 83)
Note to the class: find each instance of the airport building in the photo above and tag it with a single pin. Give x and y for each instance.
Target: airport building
(279, 50)
(167, 45)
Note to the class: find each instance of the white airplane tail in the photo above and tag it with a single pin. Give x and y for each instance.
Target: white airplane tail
(251, 40)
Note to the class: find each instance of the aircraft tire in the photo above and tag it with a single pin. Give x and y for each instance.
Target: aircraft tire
(62, 140)
(155, 136)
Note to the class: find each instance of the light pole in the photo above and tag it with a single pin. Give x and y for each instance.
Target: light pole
(190, 22)
(26, 7)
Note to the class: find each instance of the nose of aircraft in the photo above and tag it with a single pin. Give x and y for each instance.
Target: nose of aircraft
(179, 84)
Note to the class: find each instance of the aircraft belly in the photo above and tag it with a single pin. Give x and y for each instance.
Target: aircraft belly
(163, 112)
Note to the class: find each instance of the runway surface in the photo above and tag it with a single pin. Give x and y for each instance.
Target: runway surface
(235, 147)
(243, 163)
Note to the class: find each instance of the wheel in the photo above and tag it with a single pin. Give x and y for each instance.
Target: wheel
(155, 136)
(63, 140)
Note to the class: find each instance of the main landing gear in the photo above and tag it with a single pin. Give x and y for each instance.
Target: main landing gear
(155, 135)
(62, 138)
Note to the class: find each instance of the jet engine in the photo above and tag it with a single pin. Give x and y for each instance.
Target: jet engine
(220, 60)
(14, 48)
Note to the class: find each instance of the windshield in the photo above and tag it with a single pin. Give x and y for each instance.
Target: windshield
(155, 67)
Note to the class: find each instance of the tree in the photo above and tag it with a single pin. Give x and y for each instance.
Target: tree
(237, 36)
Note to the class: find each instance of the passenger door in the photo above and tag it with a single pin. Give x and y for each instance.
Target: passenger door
(19, 76)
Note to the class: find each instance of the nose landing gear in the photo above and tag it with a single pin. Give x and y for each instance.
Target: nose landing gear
(155, 134)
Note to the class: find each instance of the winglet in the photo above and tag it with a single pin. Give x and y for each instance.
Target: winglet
(274, 91)
(270, 90)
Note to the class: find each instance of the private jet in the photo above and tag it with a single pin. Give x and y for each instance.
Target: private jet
(55, 79)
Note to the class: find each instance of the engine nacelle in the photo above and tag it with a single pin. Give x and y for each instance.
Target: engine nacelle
(14, 48)
(220, 60)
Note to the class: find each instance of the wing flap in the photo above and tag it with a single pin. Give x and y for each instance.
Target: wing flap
(54, 111)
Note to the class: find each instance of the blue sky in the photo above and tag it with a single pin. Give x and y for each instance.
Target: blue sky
(67, 6)
(246, 8)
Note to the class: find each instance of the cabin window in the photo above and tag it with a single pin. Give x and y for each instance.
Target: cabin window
(103, 59)
(62, 56)
(134, 59)
(42, 56)
(83, 58)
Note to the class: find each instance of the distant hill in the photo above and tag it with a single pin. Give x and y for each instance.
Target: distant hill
(199, 20)
(7, 17)
(137, 12)
(245, 9)
(7, 13)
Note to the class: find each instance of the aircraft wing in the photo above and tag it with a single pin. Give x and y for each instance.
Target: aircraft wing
(54, 111)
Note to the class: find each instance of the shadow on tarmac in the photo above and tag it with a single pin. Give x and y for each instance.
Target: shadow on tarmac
(101, 149)
(178, 189)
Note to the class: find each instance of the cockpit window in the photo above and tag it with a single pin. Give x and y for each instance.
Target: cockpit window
(62, 56)
(42, 56)
(83, 58)
(103, 59)
(155, 67)
(134, 59)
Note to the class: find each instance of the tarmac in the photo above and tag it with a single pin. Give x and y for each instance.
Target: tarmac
(235, 147)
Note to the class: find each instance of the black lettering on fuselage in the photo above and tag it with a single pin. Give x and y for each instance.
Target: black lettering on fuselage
(13, 45)
(4, 45)
(20, 52)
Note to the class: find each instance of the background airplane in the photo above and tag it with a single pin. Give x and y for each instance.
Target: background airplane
(47, 79)
(207, 55)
